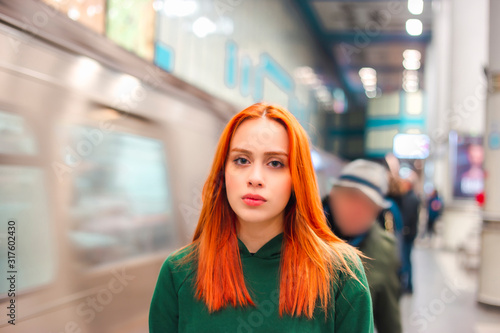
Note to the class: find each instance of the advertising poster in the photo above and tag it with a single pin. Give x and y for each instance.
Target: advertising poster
(468, 167)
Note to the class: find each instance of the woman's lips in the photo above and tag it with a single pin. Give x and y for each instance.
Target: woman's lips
(253, 200)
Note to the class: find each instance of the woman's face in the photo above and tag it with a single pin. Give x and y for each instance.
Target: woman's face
(258, 181)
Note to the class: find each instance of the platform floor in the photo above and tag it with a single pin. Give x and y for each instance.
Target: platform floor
(444, 296)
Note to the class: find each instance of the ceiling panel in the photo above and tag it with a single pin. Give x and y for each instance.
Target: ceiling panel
(378, 55)
(386, 81)
(367, 33)
(386, 16)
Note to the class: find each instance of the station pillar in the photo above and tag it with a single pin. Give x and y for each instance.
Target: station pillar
(489, 272)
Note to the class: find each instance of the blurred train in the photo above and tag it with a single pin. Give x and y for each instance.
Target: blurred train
(102, 161)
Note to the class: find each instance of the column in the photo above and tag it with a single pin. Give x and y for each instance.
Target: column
(489, 273)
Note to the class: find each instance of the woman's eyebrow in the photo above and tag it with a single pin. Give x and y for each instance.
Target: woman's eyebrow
(241, 150)
(275, 153)
(246, 151)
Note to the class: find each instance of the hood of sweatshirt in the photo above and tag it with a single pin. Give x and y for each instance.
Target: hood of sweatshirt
(270, 250)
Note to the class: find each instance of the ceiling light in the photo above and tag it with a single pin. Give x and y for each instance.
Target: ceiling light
(367, 73)
(371, 93)
(368, 77)
(203, 27)
(369, 81)
(411, 59)
(411, 74)
(414, 27)
(412, 54)
(416, 7)
(410, 88)
(410, 81)
(411, 64)
(179, 8)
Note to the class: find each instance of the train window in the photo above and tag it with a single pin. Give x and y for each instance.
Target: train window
(122, 205)
(23, 207)
(15, 136)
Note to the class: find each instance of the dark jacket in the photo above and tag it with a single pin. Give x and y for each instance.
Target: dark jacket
(434, 207)
(390, 218)
(410, 214)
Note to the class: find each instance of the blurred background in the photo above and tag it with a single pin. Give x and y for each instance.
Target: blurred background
(110, 112)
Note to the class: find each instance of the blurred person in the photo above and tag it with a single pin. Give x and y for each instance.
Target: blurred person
(393, 164)
(351, 208)
(390, 218)
(263, 258)
(434, 209)
(410, 213)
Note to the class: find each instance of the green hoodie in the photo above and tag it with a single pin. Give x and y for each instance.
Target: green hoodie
(174, 307)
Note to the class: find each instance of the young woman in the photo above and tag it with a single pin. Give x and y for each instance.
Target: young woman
(263, 258)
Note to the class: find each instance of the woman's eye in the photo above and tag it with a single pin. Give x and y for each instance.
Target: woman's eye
(276, 164)
(241, 161)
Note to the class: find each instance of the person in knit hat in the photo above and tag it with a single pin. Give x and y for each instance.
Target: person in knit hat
(351, 209)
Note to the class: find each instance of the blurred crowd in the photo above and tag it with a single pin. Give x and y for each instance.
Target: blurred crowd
(375, 206)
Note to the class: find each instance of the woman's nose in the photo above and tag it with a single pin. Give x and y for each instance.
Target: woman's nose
(255, 177)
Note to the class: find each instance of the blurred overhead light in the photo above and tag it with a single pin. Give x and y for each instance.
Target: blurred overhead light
(411, 64)
(410, 75)
(411, 59)
(368, 77)
(203, 27)
(371, 93)
(414, 27)
(367, 73)
(410, 81)
(306, 75)
(416, 7)
(410, 88)
(412, 54)
(371, 82)
(177, 8)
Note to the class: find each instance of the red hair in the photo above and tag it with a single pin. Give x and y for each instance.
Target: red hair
(312, 256)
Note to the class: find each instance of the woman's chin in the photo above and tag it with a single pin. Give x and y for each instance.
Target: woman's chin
(253, 217)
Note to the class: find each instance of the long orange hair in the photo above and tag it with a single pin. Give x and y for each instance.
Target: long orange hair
(312, 256)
